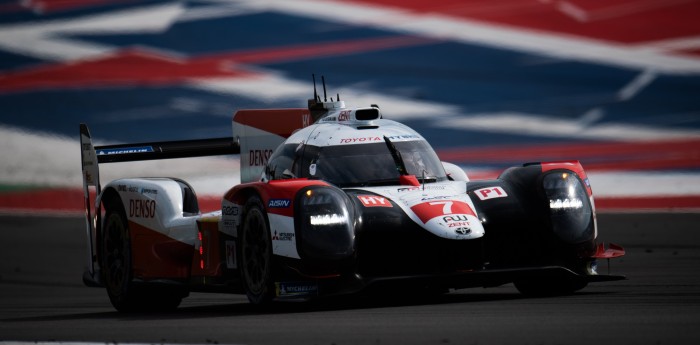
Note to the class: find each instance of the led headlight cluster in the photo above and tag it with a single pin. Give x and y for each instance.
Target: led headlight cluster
(325, 218)
(569, 207)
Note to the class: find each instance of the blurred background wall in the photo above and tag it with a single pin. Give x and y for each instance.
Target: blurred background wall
(490, 84)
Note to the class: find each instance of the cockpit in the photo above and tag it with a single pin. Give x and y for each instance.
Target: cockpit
(366, 164)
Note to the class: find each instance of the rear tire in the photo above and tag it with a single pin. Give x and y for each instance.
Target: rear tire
(256, 253)
(118, 273)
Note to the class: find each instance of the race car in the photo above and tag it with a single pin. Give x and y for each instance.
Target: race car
(334, 200)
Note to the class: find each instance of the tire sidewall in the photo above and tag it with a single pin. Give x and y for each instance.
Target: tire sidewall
(118, 292)
(254, 208)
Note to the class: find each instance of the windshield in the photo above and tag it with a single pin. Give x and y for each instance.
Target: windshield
(371, 164)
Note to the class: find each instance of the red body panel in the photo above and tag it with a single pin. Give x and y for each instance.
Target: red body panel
(282, 122)
(273, 190)
(155, 255)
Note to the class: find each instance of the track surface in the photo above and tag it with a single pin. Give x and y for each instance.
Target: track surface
(42, 298)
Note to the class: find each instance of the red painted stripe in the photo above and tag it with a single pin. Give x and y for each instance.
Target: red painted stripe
(124, 68)
(625, 21)
(146, 68)
(317, 50)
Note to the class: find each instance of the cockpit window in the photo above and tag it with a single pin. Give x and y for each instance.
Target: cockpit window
(370, 164)
(282, 164)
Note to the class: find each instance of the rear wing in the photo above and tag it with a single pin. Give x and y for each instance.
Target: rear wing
(92, 156)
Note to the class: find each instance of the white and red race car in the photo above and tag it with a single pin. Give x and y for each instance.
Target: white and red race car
(334, 200)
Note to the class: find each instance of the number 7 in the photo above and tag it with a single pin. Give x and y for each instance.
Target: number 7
(446, 209)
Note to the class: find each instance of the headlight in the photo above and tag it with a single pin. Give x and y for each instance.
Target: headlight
(569, 207)
(325, 218)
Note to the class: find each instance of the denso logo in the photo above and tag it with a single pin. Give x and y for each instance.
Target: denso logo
(142, 208)
(278, 203)
(259, 157)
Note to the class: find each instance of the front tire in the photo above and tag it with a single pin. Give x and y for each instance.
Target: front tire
(256, 249)
(124, 295)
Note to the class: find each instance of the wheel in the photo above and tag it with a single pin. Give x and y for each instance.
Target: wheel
(256, 253)
(549, 287)
(124, 295)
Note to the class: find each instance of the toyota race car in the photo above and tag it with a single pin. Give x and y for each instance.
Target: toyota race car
(334, 200)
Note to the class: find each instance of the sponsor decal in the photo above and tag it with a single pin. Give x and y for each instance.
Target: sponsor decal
(408, 189)
(293, 289)
(463, 231)
(283, 236)
(449, 210)
(230, 217)
(278, 203)
(490, 193)
(258, 157)
(149, 191)
(229, 210)
(305, 120)
(453, 224)
(374, 201)
(125, 188)
(142, 208)
(455, 218)
(360, 140)
(88, 177)
(344, 115)
(439, 197)
(231, 254)
(403, 137)
(125, 150)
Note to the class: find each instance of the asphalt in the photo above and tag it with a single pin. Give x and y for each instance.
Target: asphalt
(42, 299)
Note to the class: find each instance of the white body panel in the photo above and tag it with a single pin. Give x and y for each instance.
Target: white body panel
(437, 207)
(157, 204)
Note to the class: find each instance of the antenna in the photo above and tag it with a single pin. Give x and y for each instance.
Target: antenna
(323, 80)
(338, 97)
(313, 77)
